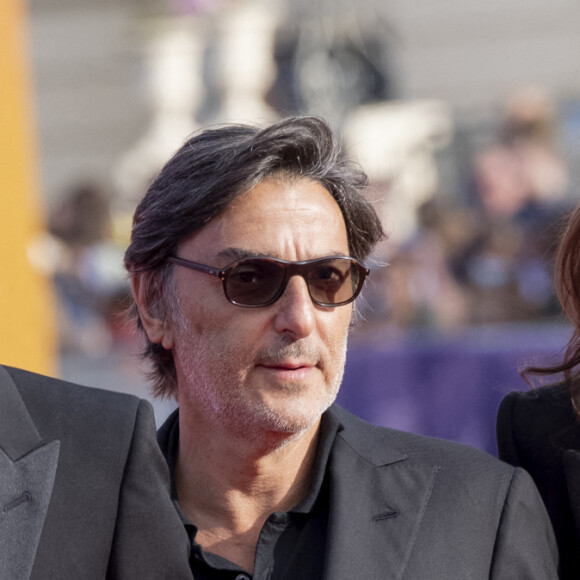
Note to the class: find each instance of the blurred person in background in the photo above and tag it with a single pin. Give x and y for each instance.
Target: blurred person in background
(420, 287)
(84, 490)
(522, 188)
(539, 430)
(86, 270)
(524, 172)
(246, 257)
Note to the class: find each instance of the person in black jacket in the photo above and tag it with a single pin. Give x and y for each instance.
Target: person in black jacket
(84, 489)
(539, 430)
(246, 258)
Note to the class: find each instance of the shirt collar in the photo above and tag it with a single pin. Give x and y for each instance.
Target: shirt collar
(168, 439)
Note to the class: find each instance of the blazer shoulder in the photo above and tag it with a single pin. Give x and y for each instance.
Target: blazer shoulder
(536, 415)
(78, 414)
(452, 455)
(34, 386)
(375, 442)
(556, 395)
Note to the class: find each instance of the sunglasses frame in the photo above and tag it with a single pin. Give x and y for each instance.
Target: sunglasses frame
(290, 269)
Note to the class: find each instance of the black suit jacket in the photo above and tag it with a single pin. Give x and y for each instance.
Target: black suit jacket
(539, 431)
(83, 486)
(403, 506)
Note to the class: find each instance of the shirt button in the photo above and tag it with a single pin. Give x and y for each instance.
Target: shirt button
(242, 577)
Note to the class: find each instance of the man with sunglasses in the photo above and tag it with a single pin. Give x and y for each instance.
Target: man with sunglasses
(246, 256)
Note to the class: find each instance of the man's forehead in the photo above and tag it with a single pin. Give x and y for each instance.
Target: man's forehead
(272, 214)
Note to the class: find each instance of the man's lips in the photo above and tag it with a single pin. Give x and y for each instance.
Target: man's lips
(290, 366)
(293, 370)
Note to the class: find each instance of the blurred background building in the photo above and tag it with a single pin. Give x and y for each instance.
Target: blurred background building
(466, 115)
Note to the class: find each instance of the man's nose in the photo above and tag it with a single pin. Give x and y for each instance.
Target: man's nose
(296, 313)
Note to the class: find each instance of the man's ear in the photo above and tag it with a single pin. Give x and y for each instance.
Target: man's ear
(155, 321)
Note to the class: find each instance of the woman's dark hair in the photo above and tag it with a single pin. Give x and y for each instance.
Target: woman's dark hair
(567, 285)
(213, 168)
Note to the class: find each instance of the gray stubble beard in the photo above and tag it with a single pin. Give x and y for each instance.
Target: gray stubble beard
(228, 408)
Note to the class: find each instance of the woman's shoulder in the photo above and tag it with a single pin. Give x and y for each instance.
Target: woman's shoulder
(551, 398)
(539, 413)
(552, 391)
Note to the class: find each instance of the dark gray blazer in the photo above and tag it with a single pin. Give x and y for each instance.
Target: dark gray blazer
(83, 486)
(409, 507)
(403, 506)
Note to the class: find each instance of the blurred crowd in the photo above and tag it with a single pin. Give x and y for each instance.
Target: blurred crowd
(87, 272)
(485, 257)
(477, 253)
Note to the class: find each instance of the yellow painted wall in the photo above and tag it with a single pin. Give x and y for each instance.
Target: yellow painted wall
(27, 329)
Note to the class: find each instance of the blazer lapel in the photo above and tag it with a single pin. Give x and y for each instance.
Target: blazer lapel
(27, 473)
(377, 502)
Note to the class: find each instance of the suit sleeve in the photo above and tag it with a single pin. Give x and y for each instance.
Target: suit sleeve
(150, 540)
(525, 547)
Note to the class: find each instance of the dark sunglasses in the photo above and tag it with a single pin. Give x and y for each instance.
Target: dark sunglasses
(254, 282)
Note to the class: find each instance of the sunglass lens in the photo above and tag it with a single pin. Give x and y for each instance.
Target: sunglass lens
(254, 282)
(333, 281)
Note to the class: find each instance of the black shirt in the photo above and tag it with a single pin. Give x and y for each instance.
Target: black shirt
(291, 544)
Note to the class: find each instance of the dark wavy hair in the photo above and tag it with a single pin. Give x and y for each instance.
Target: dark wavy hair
(567, 285)
(213, 168)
